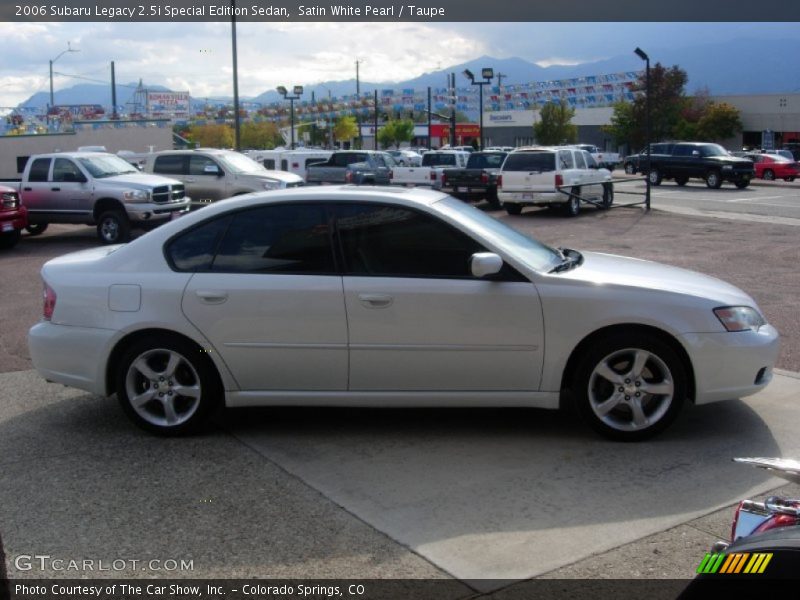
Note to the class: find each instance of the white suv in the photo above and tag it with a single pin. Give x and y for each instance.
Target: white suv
(552, 176)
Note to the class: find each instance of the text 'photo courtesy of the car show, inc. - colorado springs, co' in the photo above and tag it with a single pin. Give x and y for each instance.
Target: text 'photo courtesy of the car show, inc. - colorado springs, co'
(454, 300)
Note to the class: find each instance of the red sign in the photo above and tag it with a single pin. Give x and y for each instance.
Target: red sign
(442, 130)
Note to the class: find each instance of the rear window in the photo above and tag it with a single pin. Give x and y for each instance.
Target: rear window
(541, 161)
(485, 161)
(432, 159)
(348, 158)
(39, 170)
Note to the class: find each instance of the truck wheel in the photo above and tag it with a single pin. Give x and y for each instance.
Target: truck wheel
(654, 176)
(681, 180)
(493, 200)
(742, 183)
(790, 179)
(713, 180)
(769, 175)
(608, 195)
(113, 227)
(573, 205)
(9, 240)
(36, 228)
(513, 209)
(630, 169)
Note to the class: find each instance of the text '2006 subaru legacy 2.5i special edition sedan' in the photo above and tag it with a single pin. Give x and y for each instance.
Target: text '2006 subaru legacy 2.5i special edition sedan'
(363, 296)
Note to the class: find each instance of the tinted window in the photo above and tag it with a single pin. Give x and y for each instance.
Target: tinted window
(395, 241)
(680, 150)
(289, 238)
(565, 160)
(530, 161)
(198, 163)
(485, 161)
(348, 158)
(194, 249)
(66, 170)
(170, 164)
(39, 170)
(659, 149)
(580, 161)
(284, 164)
(590, 161)
(269, 163)
(432, 159)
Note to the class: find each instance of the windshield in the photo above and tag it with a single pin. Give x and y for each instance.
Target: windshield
(106, 166)
(508, 240)
(713, 150)
(239, 163)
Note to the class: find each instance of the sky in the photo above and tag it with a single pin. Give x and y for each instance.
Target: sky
(197, 56)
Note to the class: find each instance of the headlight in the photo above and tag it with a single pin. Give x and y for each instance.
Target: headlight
(10, 200)
(271, 184)
(739, 318)
(136, 196)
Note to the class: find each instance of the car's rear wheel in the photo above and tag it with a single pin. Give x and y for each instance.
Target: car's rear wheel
(713, 180)
(629, 387)
(769, 175)
(167, 385)
(608, 195)
(654, 176)
(630, 169)
(36, 228)
(788, 178)
(113, 227)
(513, 209)
(681, 180)
(573, 205)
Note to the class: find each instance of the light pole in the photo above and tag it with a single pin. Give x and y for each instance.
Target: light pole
(488, 75)
(641, 54)
(297, 91)
(237, 131)
(69, 49)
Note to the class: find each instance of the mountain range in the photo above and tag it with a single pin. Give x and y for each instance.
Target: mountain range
(737, 67)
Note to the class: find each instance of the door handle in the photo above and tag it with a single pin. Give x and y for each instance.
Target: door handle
(27, 189)
(55, 189)
(376, 300)
(212, 296)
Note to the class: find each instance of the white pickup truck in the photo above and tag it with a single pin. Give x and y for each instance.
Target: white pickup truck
(604, 160)
(430, 173)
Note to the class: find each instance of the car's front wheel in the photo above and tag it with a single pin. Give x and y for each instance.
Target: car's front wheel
(713, 180)
(630, 169)
(113, 227)
(654, 176)
(167, 385)
(629, 387)
(573, 205)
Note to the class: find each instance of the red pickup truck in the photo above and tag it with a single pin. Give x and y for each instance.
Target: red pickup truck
(13, 217)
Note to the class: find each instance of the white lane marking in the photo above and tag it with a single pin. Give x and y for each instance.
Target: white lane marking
(756, 198)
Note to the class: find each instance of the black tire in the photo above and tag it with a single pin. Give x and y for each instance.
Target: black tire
(608, 195)
(654, 176)
(493, 200)
(36, 228)
(681, 180)
(662, 370)
(788, 179)
(573, 204)
(10, 239)
(714, 180)
(113, 227)
(742, 183)
(193, 368)
(630, 169)
(768, 175)
(513, 209)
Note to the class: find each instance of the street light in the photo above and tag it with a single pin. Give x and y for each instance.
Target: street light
(488, 75)
(641, 54)
(69, 49)
(297, 92)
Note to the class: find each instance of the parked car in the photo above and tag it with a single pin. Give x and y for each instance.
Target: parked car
(606, 160)
(98, 189)
(352, 166)
(682, 161)
(478, 180)
(552, 176)
(293, 161)
(359, 296)
(429, 173)
(774, 166)
(210, 175)
(13, 218)
(406, 158)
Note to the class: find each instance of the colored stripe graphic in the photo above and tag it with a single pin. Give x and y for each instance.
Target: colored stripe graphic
(739, 562)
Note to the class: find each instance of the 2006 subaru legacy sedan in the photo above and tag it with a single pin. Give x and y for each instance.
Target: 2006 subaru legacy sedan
(359, 296)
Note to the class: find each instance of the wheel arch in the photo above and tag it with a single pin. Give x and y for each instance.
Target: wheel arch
(104, 204)
(592, 338)
(121, 345)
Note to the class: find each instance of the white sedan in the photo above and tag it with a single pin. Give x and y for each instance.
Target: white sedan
(359, 296)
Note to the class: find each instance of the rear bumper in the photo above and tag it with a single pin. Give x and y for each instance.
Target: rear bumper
(73, 356)
(531, 198)
(731, 365)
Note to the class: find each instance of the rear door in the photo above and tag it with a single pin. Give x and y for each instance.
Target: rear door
(593, 178)
(36, 195)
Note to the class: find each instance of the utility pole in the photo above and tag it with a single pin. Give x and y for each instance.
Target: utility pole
(429, 117)
(452, 82)
(114, 114)
(500, 77)
(358, 107)
(236, 128)
(375, 101)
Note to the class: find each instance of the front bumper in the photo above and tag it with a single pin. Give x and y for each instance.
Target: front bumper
(731, 365)
(74, 356)
(156, 212)
(13, 219)
(734, 176)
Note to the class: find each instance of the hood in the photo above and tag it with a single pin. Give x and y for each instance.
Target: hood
(143, 181)
(281, 176)
(736, 160)
(610, 269)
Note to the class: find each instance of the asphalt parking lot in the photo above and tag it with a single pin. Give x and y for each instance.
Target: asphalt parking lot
(492, 495)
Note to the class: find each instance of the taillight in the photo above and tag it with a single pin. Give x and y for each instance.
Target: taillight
(559, 180)
(10, 200)
(49, 295)
(444, 179)
(433, 175)
(484, 177)
(348, 177)
(499, 181)
(776, 521)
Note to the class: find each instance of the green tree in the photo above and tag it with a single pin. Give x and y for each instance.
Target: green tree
(554, 126)
(212, 136)
(260, 135)
(395, 132)
(720, 121)
(345, 128)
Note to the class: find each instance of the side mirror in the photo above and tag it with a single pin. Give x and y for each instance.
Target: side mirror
(695, 153)
(483, 264)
